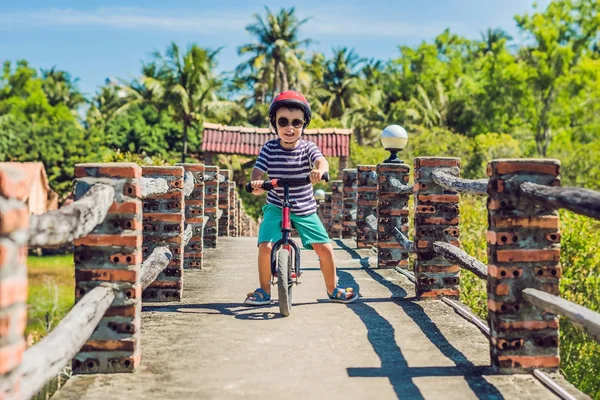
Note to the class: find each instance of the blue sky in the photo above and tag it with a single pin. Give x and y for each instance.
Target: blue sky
(94, 40)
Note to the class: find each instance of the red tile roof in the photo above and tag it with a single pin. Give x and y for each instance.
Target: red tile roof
(333, 142)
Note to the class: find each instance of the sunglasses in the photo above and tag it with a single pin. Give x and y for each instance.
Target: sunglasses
(296, 123)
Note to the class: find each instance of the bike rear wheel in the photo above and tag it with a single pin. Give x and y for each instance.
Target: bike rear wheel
(284, 281)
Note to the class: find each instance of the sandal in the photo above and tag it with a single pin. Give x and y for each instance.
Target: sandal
(257, 298)
(339, 295)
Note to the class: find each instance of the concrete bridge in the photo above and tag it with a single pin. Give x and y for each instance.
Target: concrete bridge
(177, 239)
(387, 345)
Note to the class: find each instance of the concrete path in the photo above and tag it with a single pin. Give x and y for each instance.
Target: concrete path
(384, 346)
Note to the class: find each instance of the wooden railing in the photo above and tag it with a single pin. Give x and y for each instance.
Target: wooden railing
(105, 224)
(523, 238)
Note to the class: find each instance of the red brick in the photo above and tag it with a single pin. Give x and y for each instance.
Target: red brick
(11, 356)
(169, 171)
(193, 167)
(440, 221)
(504, 272)
(502, 289)
(127, 207)
(425, 210)
(132, 190)
(168, 196)
(437, 293)
(121, 311)
(109, 345)
(438, 198)
(511, 167)
(527, 325)
(13, 290)
(436, 162)
(13, 322)
(438, 268)
(550, 222)
(166, 284)
(382, 169)
(110, 240)
(13, 183)
(528, 255)
(106, 275)
(163, 217)
(14, 219)
(529, 361)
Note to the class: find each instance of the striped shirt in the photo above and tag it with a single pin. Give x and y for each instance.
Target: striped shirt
(279, 163)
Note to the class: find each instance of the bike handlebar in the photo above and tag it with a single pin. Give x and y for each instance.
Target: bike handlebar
(273, 183)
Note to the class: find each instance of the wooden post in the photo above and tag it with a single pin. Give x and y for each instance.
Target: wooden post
(523, 252)
(164, 226)
(392, 212)
(224, 185)
(366, 200)
(211, 205)
(436, 220)
(14, 223)
(112, 252)
(349, 195)
(337, 208)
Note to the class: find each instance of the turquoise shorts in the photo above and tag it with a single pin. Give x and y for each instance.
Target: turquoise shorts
(309, 227)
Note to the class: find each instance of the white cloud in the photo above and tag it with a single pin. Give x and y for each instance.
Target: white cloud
(211, 23)
(128, 18)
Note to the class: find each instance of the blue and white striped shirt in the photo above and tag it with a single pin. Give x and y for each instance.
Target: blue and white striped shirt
(279, 163)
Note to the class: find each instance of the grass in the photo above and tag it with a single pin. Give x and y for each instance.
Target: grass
(51, 293)
(580, 283)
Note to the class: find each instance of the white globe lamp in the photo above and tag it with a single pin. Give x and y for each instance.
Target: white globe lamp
(319, 195)
(394, 138)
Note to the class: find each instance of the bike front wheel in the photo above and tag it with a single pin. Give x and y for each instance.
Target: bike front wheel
(284, 281)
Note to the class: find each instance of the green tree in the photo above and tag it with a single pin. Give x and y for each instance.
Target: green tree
(276, 59)
(562, 35)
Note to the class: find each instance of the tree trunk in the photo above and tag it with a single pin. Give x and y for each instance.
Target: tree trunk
(185, 141)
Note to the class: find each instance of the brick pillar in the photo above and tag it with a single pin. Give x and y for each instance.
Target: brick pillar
(112, 252)
(349, 196)
(366, 200)
(194, 216)
(239, 210)
(163, 226)
(232, 209)
(327, 212)
(211, 205)
(523, 252)
(14, 222)
(224, 202)
(436, 220)
(337, 208)
(392, 211)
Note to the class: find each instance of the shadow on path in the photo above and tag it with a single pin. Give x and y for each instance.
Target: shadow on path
(381, 335)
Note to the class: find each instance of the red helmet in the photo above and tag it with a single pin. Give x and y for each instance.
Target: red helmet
(290, 99)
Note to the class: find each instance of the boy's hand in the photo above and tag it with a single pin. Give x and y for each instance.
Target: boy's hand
(257, 189)
(316, 175)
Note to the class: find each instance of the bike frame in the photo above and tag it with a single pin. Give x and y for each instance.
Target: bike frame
(285, 242)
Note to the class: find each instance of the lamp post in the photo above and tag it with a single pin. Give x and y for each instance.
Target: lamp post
(394, 138)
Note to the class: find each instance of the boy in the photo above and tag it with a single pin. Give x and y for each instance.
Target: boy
(291, 157)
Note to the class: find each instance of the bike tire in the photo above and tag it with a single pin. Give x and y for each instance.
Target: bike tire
(284, 282)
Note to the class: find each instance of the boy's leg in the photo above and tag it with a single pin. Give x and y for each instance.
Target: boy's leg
(327, 264)
(264, 266)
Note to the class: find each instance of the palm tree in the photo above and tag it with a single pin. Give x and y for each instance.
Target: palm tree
(276, 59)
(340, 82)
(492, 37)
(60, 88)
(191, 86)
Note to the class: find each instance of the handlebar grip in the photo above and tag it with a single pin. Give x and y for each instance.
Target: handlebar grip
(267, 185)
(325, 177)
